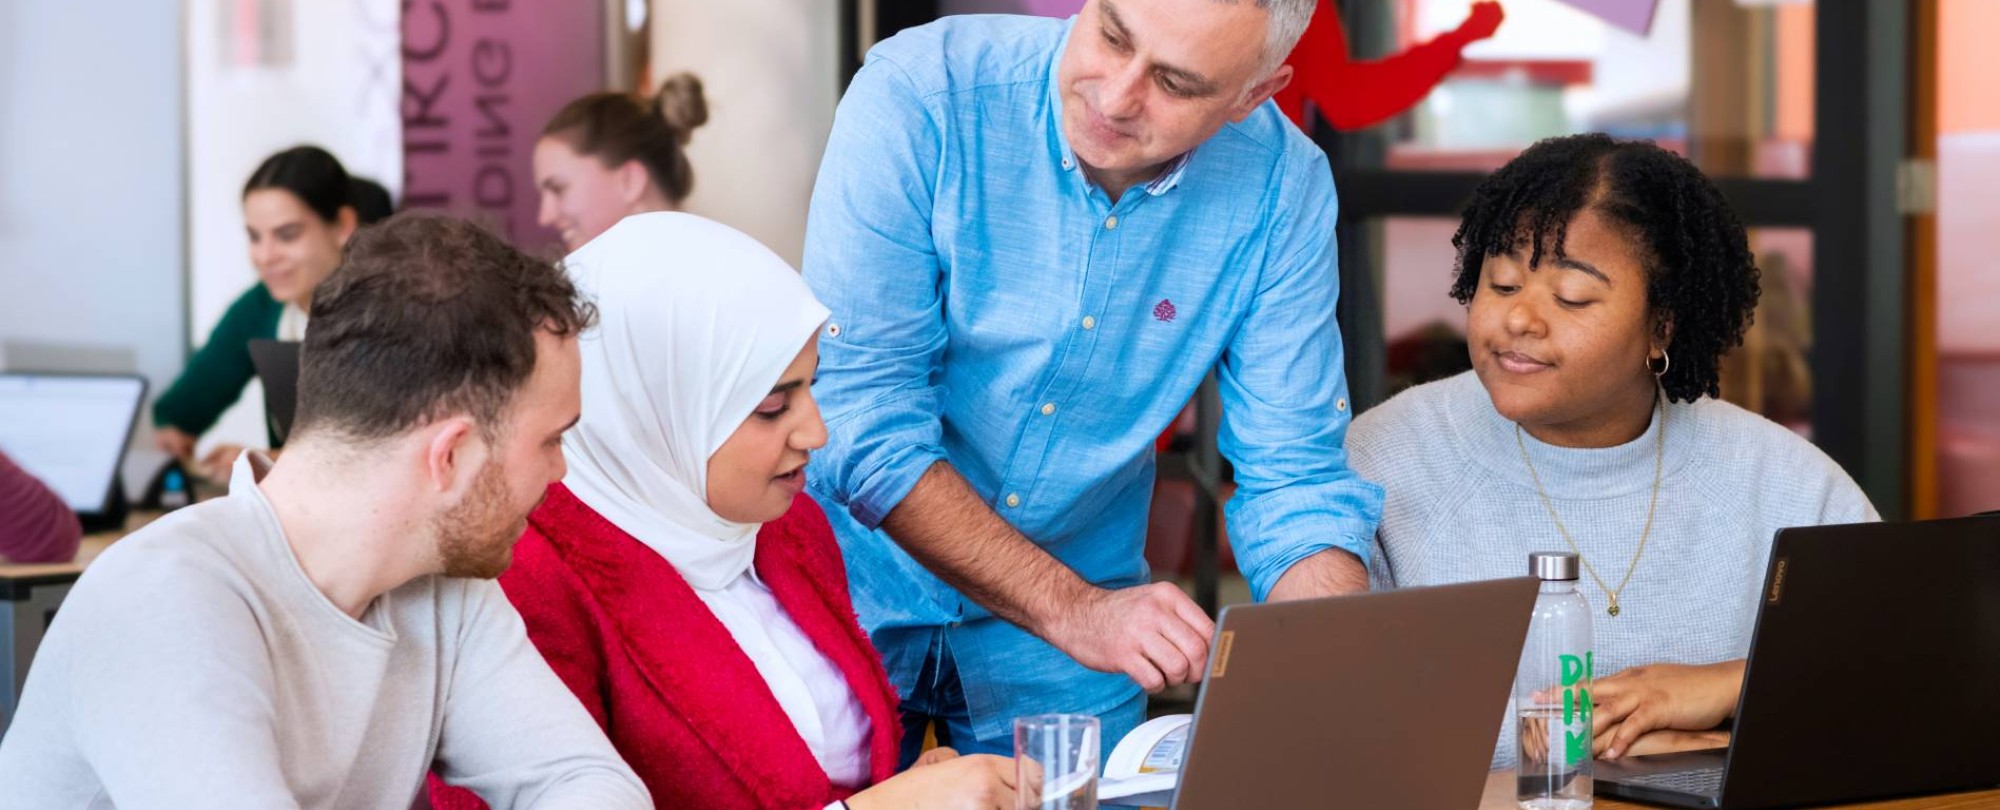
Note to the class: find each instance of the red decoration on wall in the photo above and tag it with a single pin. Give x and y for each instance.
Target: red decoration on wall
(1353, 95)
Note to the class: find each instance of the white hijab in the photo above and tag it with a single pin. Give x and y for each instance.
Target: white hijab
(696, 323)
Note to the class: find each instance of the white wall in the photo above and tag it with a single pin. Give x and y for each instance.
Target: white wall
(1633, 76)
(770, 72)
(91, 245)
(1968, 243)
(338, 89)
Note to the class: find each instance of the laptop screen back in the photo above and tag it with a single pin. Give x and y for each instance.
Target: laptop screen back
(1389, 699)
(70, 431)
(1873, 666)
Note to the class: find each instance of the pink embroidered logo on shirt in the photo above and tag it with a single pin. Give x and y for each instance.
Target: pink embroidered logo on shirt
(1164, 311)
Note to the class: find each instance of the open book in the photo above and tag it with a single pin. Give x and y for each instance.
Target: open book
(1146, 762)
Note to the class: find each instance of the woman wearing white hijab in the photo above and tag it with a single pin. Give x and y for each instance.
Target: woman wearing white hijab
(677, 580)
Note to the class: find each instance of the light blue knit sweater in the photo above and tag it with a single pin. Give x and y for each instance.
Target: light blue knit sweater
(1460, 506)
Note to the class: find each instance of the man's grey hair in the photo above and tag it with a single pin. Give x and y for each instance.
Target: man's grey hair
(1288, 23)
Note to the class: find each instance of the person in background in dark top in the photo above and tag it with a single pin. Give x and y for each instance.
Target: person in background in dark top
(35, 525)
(298, 214)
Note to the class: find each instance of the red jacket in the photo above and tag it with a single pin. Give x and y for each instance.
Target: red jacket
(665, 679)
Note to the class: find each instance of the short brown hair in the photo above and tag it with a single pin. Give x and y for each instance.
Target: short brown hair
(616, 127)
(427, 316)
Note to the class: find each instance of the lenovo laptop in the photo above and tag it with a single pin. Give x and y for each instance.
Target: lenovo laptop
(1874, 672)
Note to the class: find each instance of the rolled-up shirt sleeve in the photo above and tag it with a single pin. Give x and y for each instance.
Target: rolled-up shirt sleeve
(871, 259)
(1284, 401)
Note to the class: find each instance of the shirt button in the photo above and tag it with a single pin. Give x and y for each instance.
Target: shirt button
(833, 330)
(1067, 163)
(1089, 322)
(1111, 223)
(1340, 404)
(1013, 500)
(1049, 409)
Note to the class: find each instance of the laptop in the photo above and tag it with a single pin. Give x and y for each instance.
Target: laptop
(72, 431)
(1386, 699)
(1874, 672)
(277, 363)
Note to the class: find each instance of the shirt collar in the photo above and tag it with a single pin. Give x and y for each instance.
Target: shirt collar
(1165, 181)
(1171, 175)
(251, 466)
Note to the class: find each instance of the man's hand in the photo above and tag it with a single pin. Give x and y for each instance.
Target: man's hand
(1153, 633)
(1678, 697)
(1329, 573)
(943, 780)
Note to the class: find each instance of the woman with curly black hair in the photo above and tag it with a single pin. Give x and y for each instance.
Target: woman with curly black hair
(1604, 280)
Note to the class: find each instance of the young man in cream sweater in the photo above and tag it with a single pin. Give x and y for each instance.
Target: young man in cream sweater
(329, 632)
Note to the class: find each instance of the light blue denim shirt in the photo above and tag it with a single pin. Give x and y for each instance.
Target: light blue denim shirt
(994, 309)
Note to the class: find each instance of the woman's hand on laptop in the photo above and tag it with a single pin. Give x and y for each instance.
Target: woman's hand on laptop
(1673, 740)
(942, 780)
(1630, 704)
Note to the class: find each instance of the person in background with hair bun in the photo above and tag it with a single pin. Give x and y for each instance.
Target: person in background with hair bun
(607, 156)
(298, 212)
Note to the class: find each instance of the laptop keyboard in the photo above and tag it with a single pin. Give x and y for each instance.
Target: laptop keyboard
(1703, 781)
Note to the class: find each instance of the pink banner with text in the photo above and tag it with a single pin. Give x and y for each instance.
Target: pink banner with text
(480, 78)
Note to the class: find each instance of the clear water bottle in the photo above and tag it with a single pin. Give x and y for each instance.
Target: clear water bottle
(1552, 701)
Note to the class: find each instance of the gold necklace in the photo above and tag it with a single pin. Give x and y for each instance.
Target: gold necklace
(1659, 457)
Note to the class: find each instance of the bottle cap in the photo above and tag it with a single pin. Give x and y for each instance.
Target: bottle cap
(1552, 566)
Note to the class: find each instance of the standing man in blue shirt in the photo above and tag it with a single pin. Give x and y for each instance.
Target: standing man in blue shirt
(1036, 237)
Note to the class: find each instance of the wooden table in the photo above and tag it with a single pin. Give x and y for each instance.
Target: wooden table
(29, 596)
(1500, 796)
(93, 545)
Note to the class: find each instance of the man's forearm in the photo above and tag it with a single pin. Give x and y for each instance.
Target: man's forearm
(1328, 573)
(945, 525)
